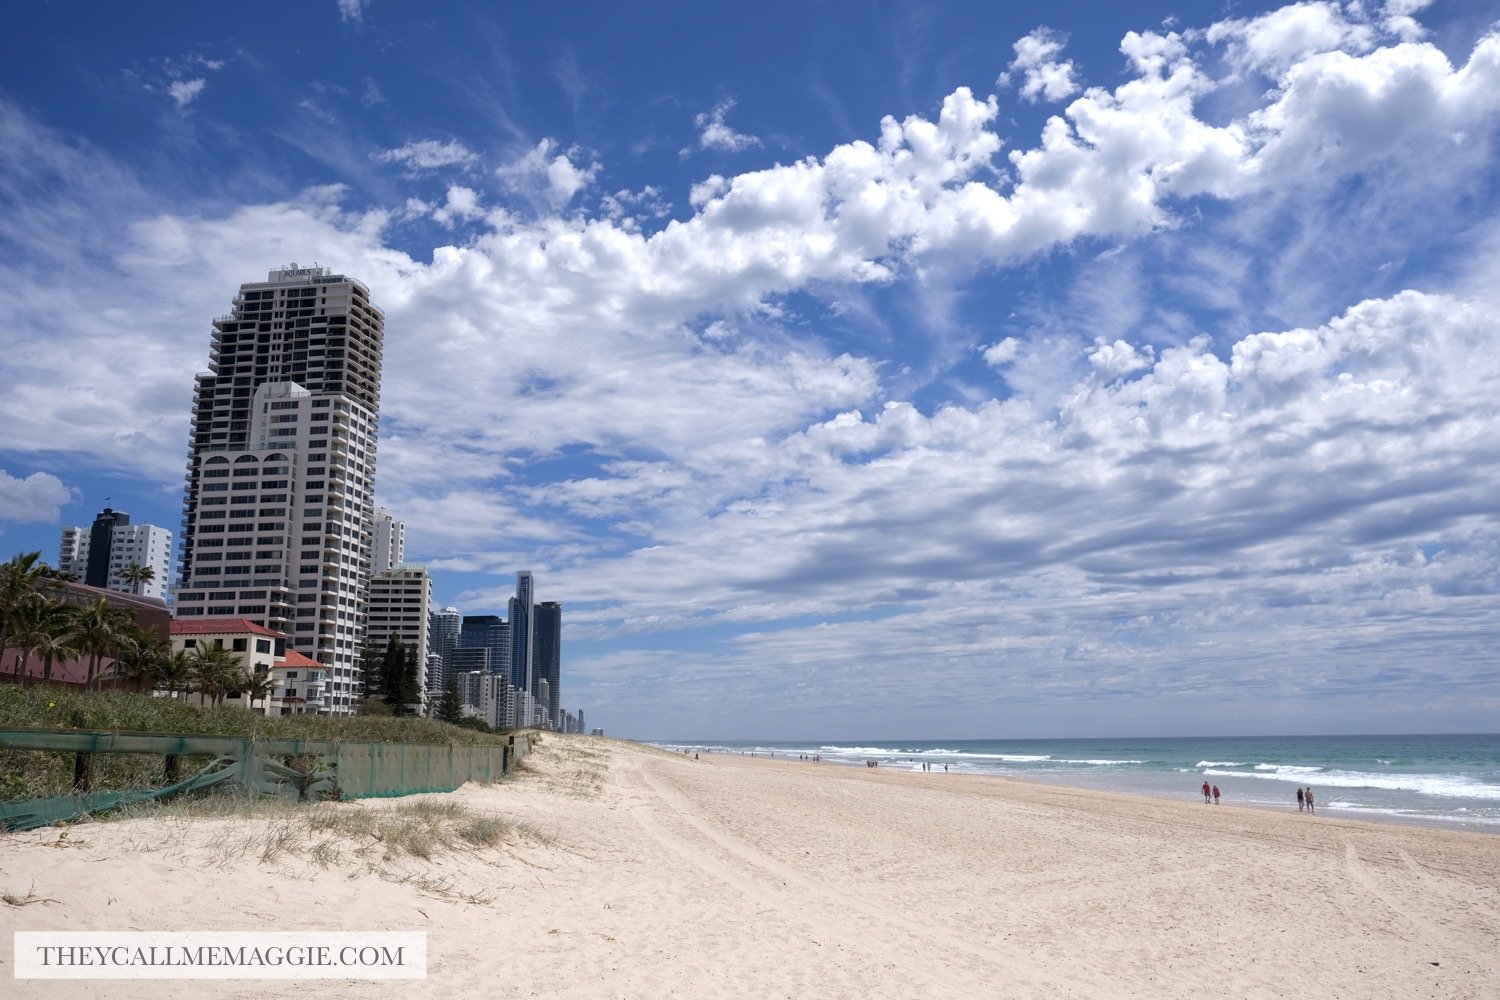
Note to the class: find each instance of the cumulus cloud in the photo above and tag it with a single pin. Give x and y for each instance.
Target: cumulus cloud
(1398, 19)
(1043, 75)
(715, 133)
(548, 172)
(420, 156)
(1272, 42)
(461, 205)
(1113, 360)
(38, 497)
(352, 11)
(1000, 354)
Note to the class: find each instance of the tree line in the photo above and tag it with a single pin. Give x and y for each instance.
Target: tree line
(43, 628)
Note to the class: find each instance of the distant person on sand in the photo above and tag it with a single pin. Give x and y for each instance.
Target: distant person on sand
(1309, 797)
(1300, 802)
(1207, 791)
(1216, 795)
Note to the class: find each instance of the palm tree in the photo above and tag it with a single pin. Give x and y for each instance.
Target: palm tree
(43, 628)
(58, 641)
(19, 580)
(177, 671)
(142, 657)
(137, 576)
(215, 670)
(260, 685)
(101, 631)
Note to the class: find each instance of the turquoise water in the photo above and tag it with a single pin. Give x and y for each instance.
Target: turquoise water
(1449, 781)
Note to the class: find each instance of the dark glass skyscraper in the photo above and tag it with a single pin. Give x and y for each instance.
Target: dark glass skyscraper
(487, 632)
(547, 648)
(522, 670)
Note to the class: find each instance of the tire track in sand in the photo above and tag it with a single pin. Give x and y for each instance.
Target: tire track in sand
(814, 903)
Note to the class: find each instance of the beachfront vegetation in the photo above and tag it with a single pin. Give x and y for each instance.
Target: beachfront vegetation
(43, 628)
(35, 774)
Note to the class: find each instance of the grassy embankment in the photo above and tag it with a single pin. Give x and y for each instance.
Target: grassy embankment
(34, 774)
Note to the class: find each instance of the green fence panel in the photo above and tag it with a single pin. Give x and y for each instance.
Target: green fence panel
(330, 769)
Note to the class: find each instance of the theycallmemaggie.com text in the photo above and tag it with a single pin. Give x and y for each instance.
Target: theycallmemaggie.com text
(218, 956)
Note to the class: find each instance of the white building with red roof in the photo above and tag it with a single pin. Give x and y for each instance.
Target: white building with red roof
(298, 683)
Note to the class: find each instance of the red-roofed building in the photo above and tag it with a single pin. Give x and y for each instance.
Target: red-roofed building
(256, 647)
(301, 685)
(298, 683)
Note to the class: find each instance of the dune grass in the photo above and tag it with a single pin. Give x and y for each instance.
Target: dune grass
(37, 774)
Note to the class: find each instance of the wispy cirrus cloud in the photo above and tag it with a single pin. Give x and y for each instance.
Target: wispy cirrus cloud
(425, 155)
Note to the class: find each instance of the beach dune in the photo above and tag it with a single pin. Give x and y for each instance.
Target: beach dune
(627, 871)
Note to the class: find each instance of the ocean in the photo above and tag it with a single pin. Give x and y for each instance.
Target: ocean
(1445, 781)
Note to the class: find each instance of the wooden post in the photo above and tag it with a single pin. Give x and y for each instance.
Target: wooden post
(171, 768)
(83, 772)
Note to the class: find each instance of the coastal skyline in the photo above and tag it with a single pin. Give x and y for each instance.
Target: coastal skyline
(844, 371)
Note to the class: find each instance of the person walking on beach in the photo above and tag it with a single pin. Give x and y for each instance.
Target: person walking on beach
(1300, 803)
(1207, 791)
(1216, 795)
(1309, 797)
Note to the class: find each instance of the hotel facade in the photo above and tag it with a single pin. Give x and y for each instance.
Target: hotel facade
(278, 512)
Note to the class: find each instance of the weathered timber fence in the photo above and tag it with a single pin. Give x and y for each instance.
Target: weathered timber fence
(330, 769)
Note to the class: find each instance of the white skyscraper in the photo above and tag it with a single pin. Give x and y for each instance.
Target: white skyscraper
(104, 555)
(278, 511)
(389, 542)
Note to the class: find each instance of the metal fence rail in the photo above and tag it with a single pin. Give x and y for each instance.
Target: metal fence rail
(290, 769)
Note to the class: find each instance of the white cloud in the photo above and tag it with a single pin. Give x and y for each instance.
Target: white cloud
(715, 133)
(352, 11)
(1272, 42)
(38, 497)
(1000, 354)
(461, 205)
(553, 179)
(1398, 19)
(184, 92)
(428, 154)
(1113, 360)
(1043, 76)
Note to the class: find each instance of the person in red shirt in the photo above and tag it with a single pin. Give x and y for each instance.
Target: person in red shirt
(1207, 791)
(1216, 795)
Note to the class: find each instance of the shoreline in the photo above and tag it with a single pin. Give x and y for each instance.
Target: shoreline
(1437, 781)
(631, 871)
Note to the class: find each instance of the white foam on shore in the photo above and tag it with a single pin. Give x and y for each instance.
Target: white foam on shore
(1460, 817)
(1101, 763)
(1444, 785)
(1220, 763)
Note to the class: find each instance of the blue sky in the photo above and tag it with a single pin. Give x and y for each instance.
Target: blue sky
(843, 368)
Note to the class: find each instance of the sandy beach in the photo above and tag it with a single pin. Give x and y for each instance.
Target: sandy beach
(631, 872)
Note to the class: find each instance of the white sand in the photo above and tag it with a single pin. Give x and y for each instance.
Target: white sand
(647, 874)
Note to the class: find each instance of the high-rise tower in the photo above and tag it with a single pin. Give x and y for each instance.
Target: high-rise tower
(112, 552)
(547, 645)
(389, 542)
(522, 643)
(278, 511)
